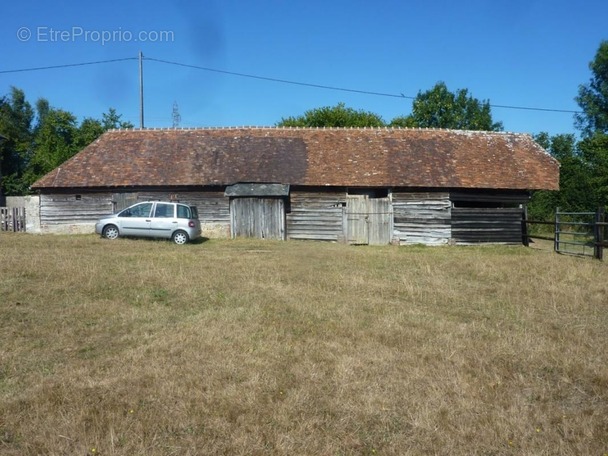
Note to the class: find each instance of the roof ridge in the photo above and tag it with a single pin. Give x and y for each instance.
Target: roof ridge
(258, 127)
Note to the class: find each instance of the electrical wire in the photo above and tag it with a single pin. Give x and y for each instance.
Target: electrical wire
(320, 86)
(283, 81)
(270, 79)
(68, 65)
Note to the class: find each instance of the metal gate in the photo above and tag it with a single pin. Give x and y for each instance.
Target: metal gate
(368, 220)
(575, 233)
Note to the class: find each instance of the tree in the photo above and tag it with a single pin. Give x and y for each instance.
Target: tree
(111, 120)
(337, 116)
(440, 108)
(594, 151)
(16, 118)
(36, 140)
(54, 143)
(593, 97)
(90, 129)
(575, 188)
(593, 123)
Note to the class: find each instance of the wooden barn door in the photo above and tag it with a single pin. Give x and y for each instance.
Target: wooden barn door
(380, 221)
(368, 220)
(356, 219)
(262, 218)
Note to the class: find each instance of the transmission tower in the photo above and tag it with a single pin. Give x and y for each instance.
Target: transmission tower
(177, 118)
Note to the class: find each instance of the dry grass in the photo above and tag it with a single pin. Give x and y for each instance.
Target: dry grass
(137, 347)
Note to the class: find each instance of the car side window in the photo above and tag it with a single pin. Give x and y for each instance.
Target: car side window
(183, 212)
(163, 210)
(139, 210)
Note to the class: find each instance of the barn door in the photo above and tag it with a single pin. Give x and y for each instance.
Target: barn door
(368, 220)
(262, 218)
(357, 219)
(380, 226)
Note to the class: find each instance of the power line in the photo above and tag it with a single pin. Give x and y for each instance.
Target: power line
(68, 65)
(270, 79)
(320, 86)
(283, 81)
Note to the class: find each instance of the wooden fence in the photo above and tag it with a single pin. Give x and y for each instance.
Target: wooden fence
(12, 219)
(574, 233)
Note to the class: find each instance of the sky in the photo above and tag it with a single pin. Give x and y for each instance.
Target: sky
(230, 58)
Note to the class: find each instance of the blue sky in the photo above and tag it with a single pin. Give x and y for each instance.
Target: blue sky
(518, 53)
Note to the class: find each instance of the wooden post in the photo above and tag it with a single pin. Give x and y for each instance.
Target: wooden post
(524, 226)
(556, 242)
(598, 234)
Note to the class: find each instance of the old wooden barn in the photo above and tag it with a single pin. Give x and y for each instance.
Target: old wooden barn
(361, 186)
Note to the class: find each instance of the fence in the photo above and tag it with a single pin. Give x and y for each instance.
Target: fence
(12, 219)
(574, 233)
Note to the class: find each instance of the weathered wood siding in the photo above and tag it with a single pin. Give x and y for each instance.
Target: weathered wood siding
(486, 225)
(368, 220)
(213, 207)
(258, 217)
(74, 208)
(422, 217)
(64, 209)
(316, 215)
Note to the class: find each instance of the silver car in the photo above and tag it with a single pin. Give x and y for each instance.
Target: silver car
(158, 219)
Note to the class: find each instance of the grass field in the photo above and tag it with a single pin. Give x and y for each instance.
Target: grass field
(136, 347)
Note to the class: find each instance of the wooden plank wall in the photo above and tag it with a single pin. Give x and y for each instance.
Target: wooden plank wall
(258, 217)
(316, 216)
(487, 225)
(67, 209)
(213, 207)
(422, 217)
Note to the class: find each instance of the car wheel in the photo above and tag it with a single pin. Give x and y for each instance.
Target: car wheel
(180, 237)
(110, 232)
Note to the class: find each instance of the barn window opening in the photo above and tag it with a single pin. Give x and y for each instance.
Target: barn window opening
(369, 192)
(485, 204)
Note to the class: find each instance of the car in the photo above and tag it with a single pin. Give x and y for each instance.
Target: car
(155, 219)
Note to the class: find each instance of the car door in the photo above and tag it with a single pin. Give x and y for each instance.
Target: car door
(163, 220)
(135, 220)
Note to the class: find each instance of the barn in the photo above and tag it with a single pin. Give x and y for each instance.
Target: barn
(359, 186)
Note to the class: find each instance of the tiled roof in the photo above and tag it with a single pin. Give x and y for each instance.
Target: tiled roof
(315, 157)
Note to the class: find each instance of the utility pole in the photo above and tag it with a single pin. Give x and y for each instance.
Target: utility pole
(141, 90)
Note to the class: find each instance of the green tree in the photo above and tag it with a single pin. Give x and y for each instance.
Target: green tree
(36, 140)
(16, 118)
(594, 151)
(89, 130)
(54, 143)
(112, 120)
(336, 116)
(593, 123)
(593, 97)
(575, 187)
(440, 108)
